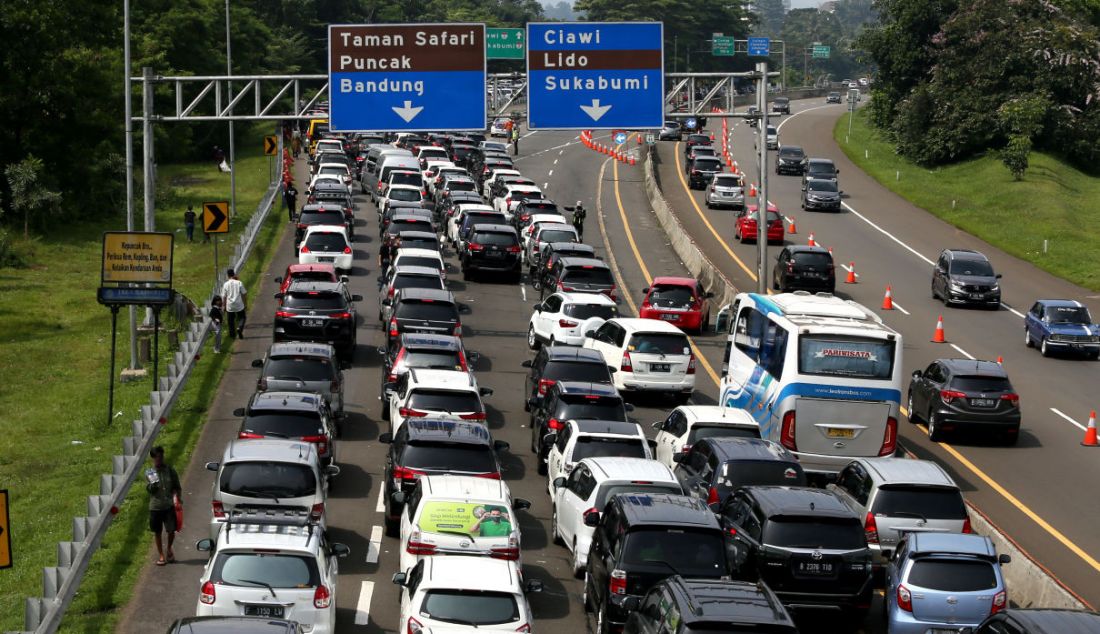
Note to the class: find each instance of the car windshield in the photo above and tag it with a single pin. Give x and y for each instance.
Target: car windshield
(791, 152)
(335, 171)
(314, 300)
(588, 372)
(981, 384)
(420, 243)
(427, 311)
(407, 195)
(846, 356)
(659, 343)
(470, 607)
(672, 296)
(971, 267)
(432, 359)
(817, 533)
(557, 235)
(588, 311)
(495, 239)
(606, 447)
(952, 575)
(263, 479)
(420, 260)
(460, 186)
(434, 282)
(701, 431)
(333, 217)
(326, 241)
(588, 275)
(580, 408)
(726, 181)
(283, 424)
(821, 186)
(1068, 315)
(299, 368)
(707, 164)
(275, 569)
(654, 488)
(739, 473)
(448, 401)
(449, 457)
(931, 503)
(687, 552)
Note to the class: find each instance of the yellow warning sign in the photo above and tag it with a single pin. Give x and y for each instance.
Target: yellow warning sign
(5, 531)
(271, 145)
(215, 217)
(137, 257)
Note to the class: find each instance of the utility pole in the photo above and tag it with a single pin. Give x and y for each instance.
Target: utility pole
(232, 142)
(762, 191)
(128, 92)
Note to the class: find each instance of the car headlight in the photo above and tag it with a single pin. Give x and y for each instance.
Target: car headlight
(956, 285)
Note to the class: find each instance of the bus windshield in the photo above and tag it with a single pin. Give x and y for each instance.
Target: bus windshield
(853, 357)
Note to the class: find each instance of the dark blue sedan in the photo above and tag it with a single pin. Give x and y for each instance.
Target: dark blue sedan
(1061, 325)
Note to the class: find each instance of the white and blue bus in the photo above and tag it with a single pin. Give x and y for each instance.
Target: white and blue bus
(821, 375)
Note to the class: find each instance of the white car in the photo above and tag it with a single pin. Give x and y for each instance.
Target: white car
(334, 178)
(404, 193)
(442, 594)
(494, 178)
(336, 169)
(272, 566)
(326, 244)
(328, 145)
(420, 257)
(580, 498)
(580, 439)
(563, 318)
(499, 127)
(512, 195)
(429, 153)
(548, 232)
(429, 173)
(651, 355)
(459, 515)
(689, 423)
(446, 394)
(536, 220)
(455, 221)
(493, 146)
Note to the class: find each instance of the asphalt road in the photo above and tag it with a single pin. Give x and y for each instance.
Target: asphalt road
(623, 230)
(1035, 491)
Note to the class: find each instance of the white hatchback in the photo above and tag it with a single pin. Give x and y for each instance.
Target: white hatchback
(651, 355)
(563, 318)
(690, 423)
(580, 439)
(446, 394)
(327, 244)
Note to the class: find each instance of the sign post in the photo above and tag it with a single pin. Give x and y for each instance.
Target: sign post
(407, 77)
(595, 75)
(215, 219)
(5, 531)
(722, 45)
(505, 44)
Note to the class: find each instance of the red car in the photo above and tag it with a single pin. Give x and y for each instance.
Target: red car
(318, 272)
(745, 227)
(681, 301)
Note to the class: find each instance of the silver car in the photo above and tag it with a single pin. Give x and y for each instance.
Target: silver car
(304, 367)
(726, 190)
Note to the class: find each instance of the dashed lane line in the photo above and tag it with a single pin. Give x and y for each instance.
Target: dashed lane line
(374, 546)
(1063, 415)
(362, 608)
(380, 507)
(963, 352)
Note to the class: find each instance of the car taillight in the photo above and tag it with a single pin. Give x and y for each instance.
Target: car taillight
(967, 527)
(565, 323)
(712, 496)
(393, 327)
(320, 441)
(786, 434)
(409, 412)
(626, 365)
(340, 316)
(513, 249)
(555, 424)
(414, 626)
(473, 246)
(347, 250)
(1000, 600)
(317, 511)
(473, 416)
(417, 547)
(321, 597)
(1011, 398)
(247, 435)
(889, 437)
(524, 628)
(905, 598)
(870, 528)
(617, 584)
(950, 395)
(404, 473)
(305, 249)
(790, 266)
(510, 552)
(545, 385)
(207, 594)
(458, 330)
(218, 508)
(691, 365)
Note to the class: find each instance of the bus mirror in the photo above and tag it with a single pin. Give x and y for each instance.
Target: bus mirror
(722, 322)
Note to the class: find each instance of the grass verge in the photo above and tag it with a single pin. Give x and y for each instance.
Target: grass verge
(55, 353)
(1055, 202)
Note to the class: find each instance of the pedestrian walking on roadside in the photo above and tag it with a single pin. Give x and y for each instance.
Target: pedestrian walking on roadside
(515, 140)
(296, 142)
(216, 322)
(290, 197)
(578, 220)
(189, 223)
(163, 484)
(233, 293)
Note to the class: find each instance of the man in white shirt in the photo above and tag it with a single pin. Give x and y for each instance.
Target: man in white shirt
(233, 293)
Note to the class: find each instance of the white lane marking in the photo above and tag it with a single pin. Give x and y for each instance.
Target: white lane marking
(1013, 310)
(381, 506)
(898, 306)
(792, 116)
(374, 546)
(523, 292)
(888, 234)
(555, 161)
(528, 134)
(545, 185)
(551, 171)
(549, 149)
(1059, 412)
(963, 352)
(362, 609)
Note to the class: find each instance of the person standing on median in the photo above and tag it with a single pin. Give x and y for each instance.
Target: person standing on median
(189, 223)
(578, 220)
(163, 485)
(515, 140)
(233, 293)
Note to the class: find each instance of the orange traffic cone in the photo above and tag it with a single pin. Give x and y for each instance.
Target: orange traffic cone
(791, 229)
(632, 159)
(888, 300)
(937, 337)
(1000, 360)
(811, 242)
(752, 189)
(851, 279)
(1090, 432)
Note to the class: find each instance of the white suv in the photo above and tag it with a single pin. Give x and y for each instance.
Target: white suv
(580, 439)
(446, 394)
(690, 423)
(506, 204)
(563, 318)
(458, 515)
(272, 567)
(328, 244)
(476, 594)
(579, 499)
(651, 355)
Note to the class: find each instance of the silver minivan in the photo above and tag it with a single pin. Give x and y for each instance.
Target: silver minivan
(370, 178)
(304, 367)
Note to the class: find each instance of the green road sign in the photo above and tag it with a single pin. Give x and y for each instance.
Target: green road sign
(505, 44)
(821, 52)
(722, 45)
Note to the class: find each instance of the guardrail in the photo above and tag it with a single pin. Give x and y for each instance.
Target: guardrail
(42, 615)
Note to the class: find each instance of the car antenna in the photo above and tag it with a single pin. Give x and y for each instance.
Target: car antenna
(811, 506)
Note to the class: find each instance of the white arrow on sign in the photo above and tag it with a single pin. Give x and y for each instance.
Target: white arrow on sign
(595, 110)
(408, 113)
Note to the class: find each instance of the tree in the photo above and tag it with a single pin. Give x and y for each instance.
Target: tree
(1021, 118)
(769, 17)
(29, 195)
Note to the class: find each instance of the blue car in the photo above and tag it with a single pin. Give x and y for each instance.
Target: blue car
(943, 582)
(1061, 325)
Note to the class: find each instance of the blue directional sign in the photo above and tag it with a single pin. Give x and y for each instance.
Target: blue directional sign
(760, 46)
(595, 75)
(690, 123)
(620, 138)
(407, 77)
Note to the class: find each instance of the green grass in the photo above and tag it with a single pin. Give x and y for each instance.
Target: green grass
(1054, 202)
(55, 354)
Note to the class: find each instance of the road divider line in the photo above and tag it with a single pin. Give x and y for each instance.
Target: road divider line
(898, 306)
(551, 171)
(887, 234)
(782, 123)
(374, 546)
(1063, 415)
(963, 352)
(380, 507)
(362, 609)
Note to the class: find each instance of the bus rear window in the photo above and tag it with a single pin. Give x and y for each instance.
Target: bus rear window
(846, 357)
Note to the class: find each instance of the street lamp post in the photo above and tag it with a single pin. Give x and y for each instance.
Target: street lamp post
(232, 142)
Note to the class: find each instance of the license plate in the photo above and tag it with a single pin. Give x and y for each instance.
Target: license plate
(728, 194)
(660, 367)
(944, 630)
(266, 611)
(326, 259)
(982, 402)
(668, 317)
(975, 296)
(840, 432)
(816, 568)
(313, 323)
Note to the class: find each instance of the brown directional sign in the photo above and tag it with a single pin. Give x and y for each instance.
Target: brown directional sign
(5, 531)
(215, 217)
(271, 145)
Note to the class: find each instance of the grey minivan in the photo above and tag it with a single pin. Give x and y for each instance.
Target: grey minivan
(304, 367)
(370, 177)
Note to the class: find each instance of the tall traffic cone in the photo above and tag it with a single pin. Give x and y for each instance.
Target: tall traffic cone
(851, 279)
(752, 189)
(888, 299)
(1000, 360)
(1090, 432)
(937, 337)
(811, 242)
(632, 159)
(790, 228)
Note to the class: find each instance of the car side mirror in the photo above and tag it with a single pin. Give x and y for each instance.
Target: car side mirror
(659, 425)
(550, 438)
(526, 364)
(997, 276)
(709, 295)
(278, 280)
(520, 504)
(888, 555)
(473, 357)
(591, 334)
(389, 387)
(631, 604)
(722, 322)
(340, 550)
(398, 578)
(332, 470)
(628, 407)
(239, 411)
(257, 363)
(344, 279)
(916, 374)
(501, 445)
(204, 545)
(533, 402)
(387, 302)
(532, 585)
(356, 298)
(385, 438)
(398, 497)
(279, 295)
(645, 290)
(652, 444)
(836, 171)
(485, 391)
(537, 307)
(592, 518)
(464, 309)
(213, 466)
(345, 365)
(678, 457)
(612, 369)
(1004, 559)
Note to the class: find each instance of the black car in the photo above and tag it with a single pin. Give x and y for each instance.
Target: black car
(702, 169)
(781, 105)
(833, 97)
(453, 201)
(433, 352)
(561, 363)
(292, 416)
(572, 400)
(491, 247)
(716, 467)
(642, 539)
(234, 625)
(529, 207)
(962, 276)
(804, 268)
(804, 543)
(697, 151)
(426, 311)
(319, 214)
(551, 252)
(696, 139)
(402, 212)
(580, 275)
(695, 606)
(406, 238)
(821, 169)
(452, 186)
(962, 395)
(404, 222)
(790, 159)
(471, 220)
(821, 194)
(1040, 621)
(319, 312)
(426, 446)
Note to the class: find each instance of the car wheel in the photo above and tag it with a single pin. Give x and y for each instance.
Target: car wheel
(553, 342)
(935, 433)
(682, 398)
(1027, 339)
(555, 536)
(1009, 440)
(912, 413)
(935, 295)
(1044, 349)
(601, 621)
(532, 339)
(584, 594)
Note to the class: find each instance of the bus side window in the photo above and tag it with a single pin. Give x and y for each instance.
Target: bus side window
(775, 350)
(749, 331)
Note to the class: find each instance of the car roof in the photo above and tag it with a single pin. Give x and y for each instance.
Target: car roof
(449, 431)
(674, 281)
(717, 414)
(463, 487)
(966, 254)
(306, 268)
(585, 388)
(340, 229)
(301, 349)
(409, 269)
(972, 367)
(921, 543)
(434, 294)
(586, 298)
(642, 324)
(805, 248)
(430, 342)
(277, 400)
(471, 573)
(616, 468)
(274, 449)
(606, 428)
(579, 261)
(741, 602)
(570, 246)
(306, 286)
(665, 508)
(418, 252)
(494, 228)
(442, 379)
(1056, 621)
(236, 624)
(246, 536)
(403, 186)
(554, 226)
(572, 353)
(800, 501)
(906, 471)
(756, 449)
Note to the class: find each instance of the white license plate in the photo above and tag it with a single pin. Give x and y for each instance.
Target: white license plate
(313, 323)
(660, 367)
(668, 317)
(975, 296)
(326, 259)
(822, 568)
(983, 402)
(266, 611)
(728, 194)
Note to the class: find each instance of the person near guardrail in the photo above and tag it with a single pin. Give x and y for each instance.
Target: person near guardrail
(163, 485)
(216, 322)
(290, 199)
(189, 223)
(233, 292)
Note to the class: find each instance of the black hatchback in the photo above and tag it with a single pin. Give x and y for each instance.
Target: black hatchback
(964, 395)
(716, 467)
(693, 606)
(424, 310)
(804, 268)
(492, 247)
(790, 159)
(562, 363)
(322, 312)
(572, 400)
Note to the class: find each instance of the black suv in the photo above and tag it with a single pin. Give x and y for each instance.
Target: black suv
(292, 416)
(962, 276)
(820, 168)
(965, 395)
(790, 159)
(491, 247)
(424, 310)
(562, 363)
(806, 544)
(580, 275)
(804, 268)
(551, 252)
(696, 139)
(639, 541)
(572, 400)
(702, 169)
(426, 446)
(716, 467)
(406, 238)
(321, 312)
(694, 606)
(529, 207)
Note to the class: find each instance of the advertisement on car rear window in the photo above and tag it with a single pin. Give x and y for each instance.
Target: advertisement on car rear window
(471, 518)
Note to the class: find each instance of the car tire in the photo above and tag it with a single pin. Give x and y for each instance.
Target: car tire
(935, 433)
(532, 339)
(391, 525)
(584, 594)
(935, 295)
(578, 565)
(912, 413)
(1009, 440)
(555, 536)
(1027, 339)
(1043, 348)
(682, 398)
(601, 621)
(385, 411)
